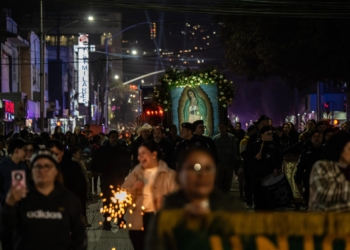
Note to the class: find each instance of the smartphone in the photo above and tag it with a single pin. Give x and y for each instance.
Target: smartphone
(18, 178)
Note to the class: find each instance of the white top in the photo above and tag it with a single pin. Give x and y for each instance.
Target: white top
(150, 175)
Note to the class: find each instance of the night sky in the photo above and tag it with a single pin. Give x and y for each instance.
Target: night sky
(179, 30)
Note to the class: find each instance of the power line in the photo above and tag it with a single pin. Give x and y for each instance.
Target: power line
(265, 8)
(103, 59)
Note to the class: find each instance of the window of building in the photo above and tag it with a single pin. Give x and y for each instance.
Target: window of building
(104, 36)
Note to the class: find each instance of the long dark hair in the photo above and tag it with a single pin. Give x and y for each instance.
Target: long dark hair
(153, 147)
(335, 146)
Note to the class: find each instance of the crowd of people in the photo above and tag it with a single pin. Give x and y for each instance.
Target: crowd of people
(161, 170)
(322, 152)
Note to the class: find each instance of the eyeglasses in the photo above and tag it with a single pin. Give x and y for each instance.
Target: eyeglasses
(40, 167)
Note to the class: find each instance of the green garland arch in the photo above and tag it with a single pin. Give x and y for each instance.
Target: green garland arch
(175, 78)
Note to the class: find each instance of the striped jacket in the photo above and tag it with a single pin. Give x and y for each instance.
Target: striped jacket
(329, 189)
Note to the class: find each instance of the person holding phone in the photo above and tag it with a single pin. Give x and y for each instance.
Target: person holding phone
(44, 216)
(18, 152)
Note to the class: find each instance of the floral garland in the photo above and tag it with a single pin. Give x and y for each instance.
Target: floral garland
(175, 78)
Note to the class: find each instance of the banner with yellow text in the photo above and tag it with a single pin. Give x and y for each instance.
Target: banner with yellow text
(176, 230)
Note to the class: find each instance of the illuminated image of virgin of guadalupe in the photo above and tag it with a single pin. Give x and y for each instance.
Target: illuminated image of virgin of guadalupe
(195, 108)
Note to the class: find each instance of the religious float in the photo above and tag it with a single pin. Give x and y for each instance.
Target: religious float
(187, 96)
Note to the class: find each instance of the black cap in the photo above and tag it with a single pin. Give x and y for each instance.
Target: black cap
(43, 154)
(16, 143)
(265, 129)
(189, 126)
(262, 118)
(196, 123)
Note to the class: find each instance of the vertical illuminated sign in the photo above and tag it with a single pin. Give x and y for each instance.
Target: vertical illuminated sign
(83, 69)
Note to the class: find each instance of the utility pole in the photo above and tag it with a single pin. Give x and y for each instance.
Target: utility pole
(296, 108)
(91, 93)
(42, 70)
(58, 47)
(319, 100)
(106, 86)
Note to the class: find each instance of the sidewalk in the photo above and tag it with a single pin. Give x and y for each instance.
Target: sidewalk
(99, 239)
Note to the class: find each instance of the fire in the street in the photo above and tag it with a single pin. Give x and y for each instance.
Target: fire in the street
(121, 203)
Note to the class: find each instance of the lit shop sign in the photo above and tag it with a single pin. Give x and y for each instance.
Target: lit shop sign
(83, 68)
(9, 110)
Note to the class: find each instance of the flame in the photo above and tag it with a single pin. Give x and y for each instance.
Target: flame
(121, 203)
(121, 196)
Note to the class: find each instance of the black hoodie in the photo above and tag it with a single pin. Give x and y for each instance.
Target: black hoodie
(41, 222)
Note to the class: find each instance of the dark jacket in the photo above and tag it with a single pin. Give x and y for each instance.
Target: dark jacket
(295, 149)
(185, 145)
(307, 160)
(41, 222)
(73, 177)
(166, 150)
(177, 140)
(114, 163)
(123, 143)
(271, 158)
(252, 139)
(6, 167)
(211, 144)
(239, 134)
(227, 151)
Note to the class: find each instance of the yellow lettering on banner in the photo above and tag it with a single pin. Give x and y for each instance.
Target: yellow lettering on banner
(263, 243)
(309, 242)
(327, 243)
(215, 243)
(236, 243)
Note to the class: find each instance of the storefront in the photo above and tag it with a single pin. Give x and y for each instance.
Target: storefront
(7, 116)
(66, 124)
(17, 104)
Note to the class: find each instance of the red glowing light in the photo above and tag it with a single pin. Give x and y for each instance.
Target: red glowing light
(9, 107)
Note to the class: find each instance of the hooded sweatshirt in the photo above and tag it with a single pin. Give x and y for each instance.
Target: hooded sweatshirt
(42, 222)
(6, 168)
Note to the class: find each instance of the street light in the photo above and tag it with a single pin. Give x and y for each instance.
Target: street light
(106, 50)
(134, 52)
(116, 77)
(90, 18)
